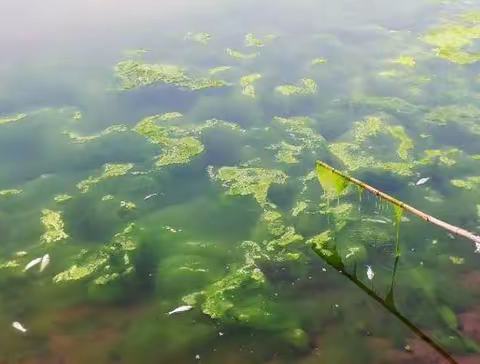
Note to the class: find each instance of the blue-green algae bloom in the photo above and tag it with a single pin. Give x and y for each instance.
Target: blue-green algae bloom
(135, 74)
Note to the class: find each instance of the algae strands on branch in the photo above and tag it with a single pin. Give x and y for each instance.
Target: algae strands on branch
(334, 181)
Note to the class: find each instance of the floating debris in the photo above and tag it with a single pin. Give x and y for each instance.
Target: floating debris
(422, 181)
(180, 309)
(33, 263)
(21, 253)
(197, 357)
(18, 326)
(370, 273)
(45, 262)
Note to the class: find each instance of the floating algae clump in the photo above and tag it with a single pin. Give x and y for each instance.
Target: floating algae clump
(319, 242)
(468, 184)
(250, 181)
(370, 127)
(10, 192)
(247, 84)
(111, 261)
(465, 115)
(299, 207)
(357, 156)
(175, 150)
(443, 156)
(286, 153)
(219, 297)
(53, 223)
(406, 61)
(128, 205)
(11, 119)
(109, 171)
(214, 71)
(289, 237)
(316, 61)
(239, 55)
(387, 104)
(406, 144)
(299, 130)
(274, 222)
(203, 38)
(110, 130)
(252, 41)
(179, 151)
(451, 39)
(374, 125)
(136, 74)
(62, 198)
(306, 86)
(76, 272)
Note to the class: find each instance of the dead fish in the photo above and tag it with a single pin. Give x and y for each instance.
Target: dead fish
(374, 220)
(370, 273)
(477, 248)
(148, 197)
(32, 264)
(18, 326)
(45, 261)
(181, 309)
(422, 181)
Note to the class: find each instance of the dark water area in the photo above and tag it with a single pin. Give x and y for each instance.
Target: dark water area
(158, 195)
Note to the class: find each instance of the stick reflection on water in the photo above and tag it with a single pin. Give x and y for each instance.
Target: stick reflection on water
(388, 303)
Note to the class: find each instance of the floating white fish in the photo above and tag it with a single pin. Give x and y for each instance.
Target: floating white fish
(18, 326)
(370, 273)
(477, 248)
(422, 181)
(148, 197)
(32, 264)
(180, 309)
(44, 263)
(374, 220)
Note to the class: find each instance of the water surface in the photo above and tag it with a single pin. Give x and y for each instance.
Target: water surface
(162, 154)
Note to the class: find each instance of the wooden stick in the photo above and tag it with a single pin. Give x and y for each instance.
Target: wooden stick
(433, 220)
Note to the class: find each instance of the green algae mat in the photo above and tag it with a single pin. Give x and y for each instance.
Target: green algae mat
(159, 198)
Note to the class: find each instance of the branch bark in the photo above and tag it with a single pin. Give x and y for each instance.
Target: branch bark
(428, 218)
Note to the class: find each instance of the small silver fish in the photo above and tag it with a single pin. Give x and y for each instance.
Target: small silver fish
(32, 264)
(477, 248)
(180, 309)
(44, 263)
(374, 220)
(148, 197)
(422, 181)
(370, 273)
(18, 326)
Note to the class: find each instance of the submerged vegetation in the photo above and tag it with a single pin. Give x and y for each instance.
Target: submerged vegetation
(209, 201)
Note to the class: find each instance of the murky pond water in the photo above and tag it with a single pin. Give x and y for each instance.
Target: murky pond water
(158, 195)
